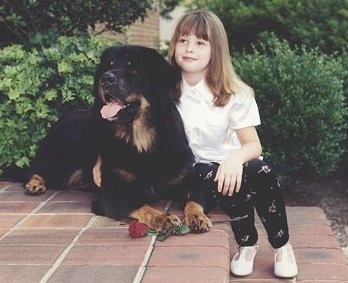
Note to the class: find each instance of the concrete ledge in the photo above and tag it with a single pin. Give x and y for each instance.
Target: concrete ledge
(55, 238)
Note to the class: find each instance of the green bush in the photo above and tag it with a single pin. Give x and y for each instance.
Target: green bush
(314, 23)
(38, 86)
(301, 99)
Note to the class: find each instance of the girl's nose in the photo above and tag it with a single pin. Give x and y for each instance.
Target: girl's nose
(189, 47)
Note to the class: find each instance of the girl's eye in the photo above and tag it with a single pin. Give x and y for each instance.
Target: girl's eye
(182, 40)
(202, 42)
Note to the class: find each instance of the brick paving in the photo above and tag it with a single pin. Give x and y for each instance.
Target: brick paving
(55, 238)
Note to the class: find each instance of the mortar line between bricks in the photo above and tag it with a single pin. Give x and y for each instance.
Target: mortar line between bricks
(29, 215)
(4, 188)
(66, 251)
(142, 267)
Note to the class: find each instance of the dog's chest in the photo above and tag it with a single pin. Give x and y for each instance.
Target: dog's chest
(126, 159)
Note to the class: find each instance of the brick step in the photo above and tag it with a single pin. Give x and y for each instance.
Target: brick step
(55, 238)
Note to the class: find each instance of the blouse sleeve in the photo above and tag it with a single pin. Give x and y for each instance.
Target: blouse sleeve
(244, 112)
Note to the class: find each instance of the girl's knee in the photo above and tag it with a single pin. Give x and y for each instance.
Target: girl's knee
(257, 166)
(259, 174)
(205, 171)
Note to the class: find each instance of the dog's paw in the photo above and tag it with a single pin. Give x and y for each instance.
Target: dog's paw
(165, 222)
(195, 218)
(35, 186)
(156, 219)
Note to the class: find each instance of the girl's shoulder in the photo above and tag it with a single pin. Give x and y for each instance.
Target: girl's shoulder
(243, 91)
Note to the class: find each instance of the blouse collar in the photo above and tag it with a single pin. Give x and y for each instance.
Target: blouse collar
(200, 89)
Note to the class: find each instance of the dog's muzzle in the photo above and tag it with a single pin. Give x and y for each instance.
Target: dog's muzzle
(110, 84)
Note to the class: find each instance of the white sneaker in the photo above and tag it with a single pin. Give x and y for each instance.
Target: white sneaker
(242, 263)
(285, 262)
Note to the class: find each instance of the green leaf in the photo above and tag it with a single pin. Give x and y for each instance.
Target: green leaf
(183, 229)
(152, 233)
(64, 67)
(162, 237)
(179, 230)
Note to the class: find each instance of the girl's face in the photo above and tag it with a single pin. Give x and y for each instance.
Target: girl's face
(192, 55)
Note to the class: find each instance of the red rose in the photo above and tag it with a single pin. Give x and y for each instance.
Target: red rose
(137, 229)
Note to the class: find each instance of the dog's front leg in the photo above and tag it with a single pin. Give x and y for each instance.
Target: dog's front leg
(155, 219)
(195, 218)
(36, 185)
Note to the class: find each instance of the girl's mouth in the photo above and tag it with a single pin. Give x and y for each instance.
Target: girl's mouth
(187, 58)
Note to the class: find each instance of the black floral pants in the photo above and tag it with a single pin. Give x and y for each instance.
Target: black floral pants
(260, 190)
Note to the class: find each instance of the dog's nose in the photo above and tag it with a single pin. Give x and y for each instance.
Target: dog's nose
(109, 79)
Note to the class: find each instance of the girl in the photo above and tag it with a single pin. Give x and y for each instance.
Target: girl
(220, 114)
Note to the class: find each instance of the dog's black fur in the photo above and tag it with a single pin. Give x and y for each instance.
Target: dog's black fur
(144, 151)
(142, 146)
(66, 156)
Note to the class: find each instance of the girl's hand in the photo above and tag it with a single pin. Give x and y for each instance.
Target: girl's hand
(97, 172)
(229, 175)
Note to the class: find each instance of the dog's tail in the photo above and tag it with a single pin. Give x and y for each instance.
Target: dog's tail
(14, 173)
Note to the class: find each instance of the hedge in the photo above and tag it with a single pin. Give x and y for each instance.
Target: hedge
(39, 85)
(301, 98)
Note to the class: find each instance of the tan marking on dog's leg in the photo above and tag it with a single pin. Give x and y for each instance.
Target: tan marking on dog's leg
(155, 219)
(36, 185)
(125, 175)
(195, 218)
(77, 181)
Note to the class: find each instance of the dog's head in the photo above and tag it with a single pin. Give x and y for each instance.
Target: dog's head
(131, 81)
(133, 92)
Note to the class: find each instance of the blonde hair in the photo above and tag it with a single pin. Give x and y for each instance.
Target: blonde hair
(221, 77)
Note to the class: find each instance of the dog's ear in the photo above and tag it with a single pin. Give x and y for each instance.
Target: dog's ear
(160, 71)
(164, 80)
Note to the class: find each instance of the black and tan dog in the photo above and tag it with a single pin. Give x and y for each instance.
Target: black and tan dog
(136, 131)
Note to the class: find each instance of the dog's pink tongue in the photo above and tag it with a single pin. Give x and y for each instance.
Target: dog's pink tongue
(110, 110)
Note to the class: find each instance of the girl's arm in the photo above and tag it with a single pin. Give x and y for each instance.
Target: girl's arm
(229, 174)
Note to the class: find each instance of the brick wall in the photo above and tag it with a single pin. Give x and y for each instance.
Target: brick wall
(146, 33)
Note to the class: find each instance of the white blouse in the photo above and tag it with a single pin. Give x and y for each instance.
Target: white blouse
(211, 130)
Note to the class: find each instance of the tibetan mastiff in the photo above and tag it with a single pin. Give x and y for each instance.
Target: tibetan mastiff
(136, 132)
